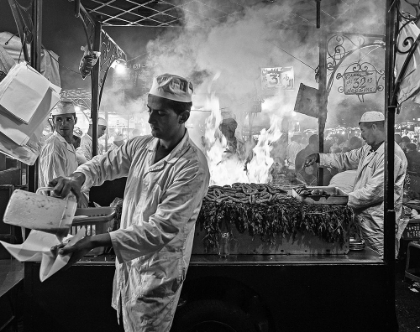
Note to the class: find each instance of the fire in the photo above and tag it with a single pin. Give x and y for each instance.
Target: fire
(228, 168)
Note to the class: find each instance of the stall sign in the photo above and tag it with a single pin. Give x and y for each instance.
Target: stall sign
(277, 77)
(360, 82)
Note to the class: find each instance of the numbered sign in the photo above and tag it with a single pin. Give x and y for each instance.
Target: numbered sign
(277, 77)
(360, 82)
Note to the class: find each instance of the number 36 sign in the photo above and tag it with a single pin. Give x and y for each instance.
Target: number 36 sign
(277, 77)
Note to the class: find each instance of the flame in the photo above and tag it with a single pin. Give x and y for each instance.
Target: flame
(226, 168)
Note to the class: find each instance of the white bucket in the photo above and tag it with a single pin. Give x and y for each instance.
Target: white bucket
(41, 212)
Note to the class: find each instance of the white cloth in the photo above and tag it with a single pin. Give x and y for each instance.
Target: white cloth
(57, 158)
(367, 198)
(344, 181)
(86, 147)
(37, 248)
(154, 243)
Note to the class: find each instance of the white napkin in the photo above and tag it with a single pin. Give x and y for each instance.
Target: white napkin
(37, 248)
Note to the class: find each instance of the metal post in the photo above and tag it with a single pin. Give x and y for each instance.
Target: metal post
(96, 71)
(322, 96)
(32, 171)
(390, 110)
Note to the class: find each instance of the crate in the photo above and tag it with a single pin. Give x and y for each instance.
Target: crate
(412, 230)
(97, 221)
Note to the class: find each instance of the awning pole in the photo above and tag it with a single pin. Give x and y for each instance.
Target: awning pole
(96, 72)
(322, 97)
(32, 171)
(390, 110)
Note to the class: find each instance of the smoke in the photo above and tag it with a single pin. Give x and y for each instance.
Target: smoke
(233, 40)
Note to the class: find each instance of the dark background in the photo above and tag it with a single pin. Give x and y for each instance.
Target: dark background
(63, 33)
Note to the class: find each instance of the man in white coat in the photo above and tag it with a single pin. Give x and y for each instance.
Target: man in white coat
(167, 179)
(367, 197)
(86, 142)
(58, 155)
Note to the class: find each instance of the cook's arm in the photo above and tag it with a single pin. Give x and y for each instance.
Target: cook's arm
(342, 161)
(112, 165)
(181, 200)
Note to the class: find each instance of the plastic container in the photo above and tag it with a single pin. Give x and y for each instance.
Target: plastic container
(96, 221)
(41, 212)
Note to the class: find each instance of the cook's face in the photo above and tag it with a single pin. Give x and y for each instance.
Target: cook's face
(64, 124)
(367, 134)
(101, 131)
(164, 122)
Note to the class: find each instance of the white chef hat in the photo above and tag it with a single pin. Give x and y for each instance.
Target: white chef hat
(372, 116)
(101, 122)
(172, 87)
(63, 107)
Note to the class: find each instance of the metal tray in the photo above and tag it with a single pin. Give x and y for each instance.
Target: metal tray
(334, 196)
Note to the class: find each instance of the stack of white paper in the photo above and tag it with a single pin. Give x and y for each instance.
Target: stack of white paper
(26, 99)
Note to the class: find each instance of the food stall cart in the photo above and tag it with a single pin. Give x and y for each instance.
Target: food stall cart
(250, 291)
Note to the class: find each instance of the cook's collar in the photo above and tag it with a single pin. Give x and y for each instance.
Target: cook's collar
(379, 148)
(70, 147)
(171, 157)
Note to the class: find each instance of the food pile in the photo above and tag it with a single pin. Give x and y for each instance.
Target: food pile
(303, 191)
(265, 211)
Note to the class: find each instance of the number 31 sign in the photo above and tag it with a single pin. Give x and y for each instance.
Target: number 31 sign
(277, 77)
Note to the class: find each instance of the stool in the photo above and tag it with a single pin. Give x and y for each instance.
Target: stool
(412, 273)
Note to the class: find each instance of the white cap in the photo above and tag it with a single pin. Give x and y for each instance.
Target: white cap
(63, 107)
(372, 116)
(101, 122)
(119, 138)
(172, 87)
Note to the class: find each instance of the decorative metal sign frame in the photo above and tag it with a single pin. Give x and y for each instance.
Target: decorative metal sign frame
(342, 45)
(361, 78)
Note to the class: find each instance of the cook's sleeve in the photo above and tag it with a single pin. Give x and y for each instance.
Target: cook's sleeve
(85, 148)
(112, 165)
(179, 202)
(373, 192)
(342, 161)
(53, 162)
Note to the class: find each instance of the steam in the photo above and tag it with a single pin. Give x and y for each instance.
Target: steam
(222, 47)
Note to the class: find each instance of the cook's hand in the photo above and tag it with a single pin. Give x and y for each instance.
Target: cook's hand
(77, 250)
(63, 185)
(311, 159)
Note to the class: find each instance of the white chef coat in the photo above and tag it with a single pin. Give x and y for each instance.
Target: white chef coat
(367, 198)
(57, 158)
(86, 147)
(153, 245)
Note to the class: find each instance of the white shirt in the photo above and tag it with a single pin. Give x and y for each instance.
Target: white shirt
(367, 197)
(57, 158)
(153, 245)
(86, 147)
